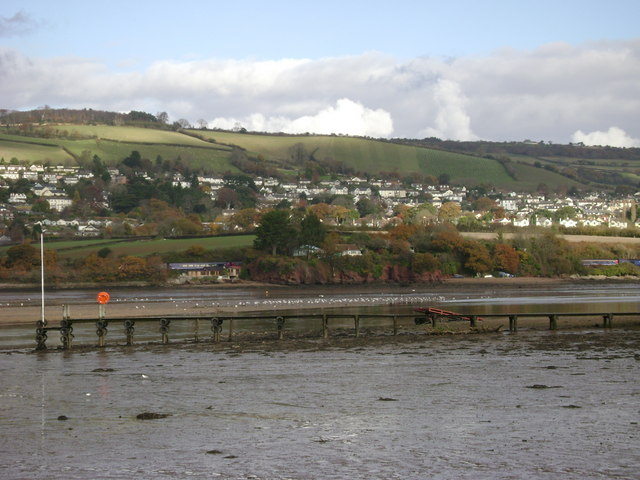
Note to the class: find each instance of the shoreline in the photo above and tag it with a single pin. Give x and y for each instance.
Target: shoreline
(467, 281)
(260, 301)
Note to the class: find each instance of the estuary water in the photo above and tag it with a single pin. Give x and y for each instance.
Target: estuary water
(534, 404)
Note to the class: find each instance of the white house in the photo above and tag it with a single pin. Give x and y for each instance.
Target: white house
(617, 224)
(349, 250)
(521, 222)
(17, 198)
(568, 223)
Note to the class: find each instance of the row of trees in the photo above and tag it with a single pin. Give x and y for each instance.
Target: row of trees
(440, 246)
(421, 252)
(22, 263)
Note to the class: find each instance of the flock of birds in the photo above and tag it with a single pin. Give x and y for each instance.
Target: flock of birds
(291, 303)
(267, 303)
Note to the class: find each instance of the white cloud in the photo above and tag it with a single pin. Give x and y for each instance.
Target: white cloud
(452, 122)
(347, 117)
(543, 94)
(614, 137)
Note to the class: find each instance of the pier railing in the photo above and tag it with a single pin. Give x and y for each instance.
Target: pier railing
(279, 323)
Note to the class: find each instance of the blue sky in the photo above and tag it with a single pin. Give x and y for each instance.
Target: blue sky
(495, 70)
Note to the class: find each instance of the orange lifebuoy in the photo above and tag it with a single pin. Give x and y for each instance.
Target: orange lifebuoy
(103, 297)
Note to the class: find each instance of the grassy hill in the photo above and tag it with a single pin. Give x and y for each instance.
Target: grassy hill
(213, 151)
(372, 156)
(142, 247)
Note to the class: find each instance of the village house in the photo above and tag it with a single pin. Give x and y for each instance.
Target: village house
(392, 192)
(349, 249)
(613, 223)
(219, 270)
(521, 222)
(17, 198)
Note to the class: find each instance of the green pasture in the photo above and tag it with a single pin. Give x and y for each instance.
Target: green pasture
(117, 144)
(142, 248)
(131, 134)
(212, 159)
(529, 177)
(114, 143)
(34, 152)
(372, 156)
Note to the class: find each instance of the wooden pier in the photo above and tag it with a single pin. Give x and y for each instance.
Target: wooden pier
(323, 323)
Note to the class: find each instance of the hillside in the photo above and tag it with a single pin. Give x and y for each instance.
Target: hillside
(513, 166)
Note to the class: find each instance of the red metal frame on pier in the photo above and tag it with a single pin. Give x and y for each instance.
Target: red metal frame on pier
(445, 313)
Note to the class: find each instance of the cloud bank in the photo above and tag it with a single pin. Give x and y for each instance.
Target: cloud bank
(614, 137)
(553, 93)
(346, 117)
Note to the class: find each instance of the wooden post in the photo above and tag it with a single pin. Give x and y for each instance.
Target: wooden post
(513, 323)
(553, 322)
(164, 329)
(230, 329)
(41, 335)
(325, 326)
(434, 319)
(129, 327)
(472, 321)
(101, 325)
(607, 320)
(280, 327)
(395, 325)
(66, 328)
(195, 332)
(356, 319)
(216, 328)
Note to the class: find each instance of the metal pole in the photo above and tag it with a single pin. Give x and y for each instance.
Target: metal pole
(44, 322)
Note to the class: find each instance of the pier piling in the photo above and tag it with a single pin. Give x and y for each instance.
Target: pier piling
(129, 327)
(393, 320)
(280, 327)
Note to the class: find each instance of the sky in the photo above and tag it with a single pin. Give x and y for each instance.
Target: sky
(553, 71)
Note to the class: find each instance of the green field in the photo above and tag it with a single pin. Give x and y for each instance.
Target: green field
(213, 153)
(133, 134)
(372, 156)
(113, 144)
(34, 149)
(82, 248)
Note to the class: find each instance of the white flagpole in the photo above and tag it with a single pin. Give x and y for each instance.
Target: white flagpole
(42, 274)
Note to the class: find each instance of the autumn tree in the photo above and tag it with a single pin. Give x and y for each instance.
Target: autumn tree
(449, 211)
(484, 204)
(424, 262)
(226, 198)
(244, 220)
(447, 241)
(321, 210)
(98, 269)
(132, 268)
(23, 257)
(478, 259)
(505, 258)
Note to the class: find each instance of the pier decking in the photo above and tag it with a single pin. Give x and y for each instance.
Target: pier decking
(428, 317)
